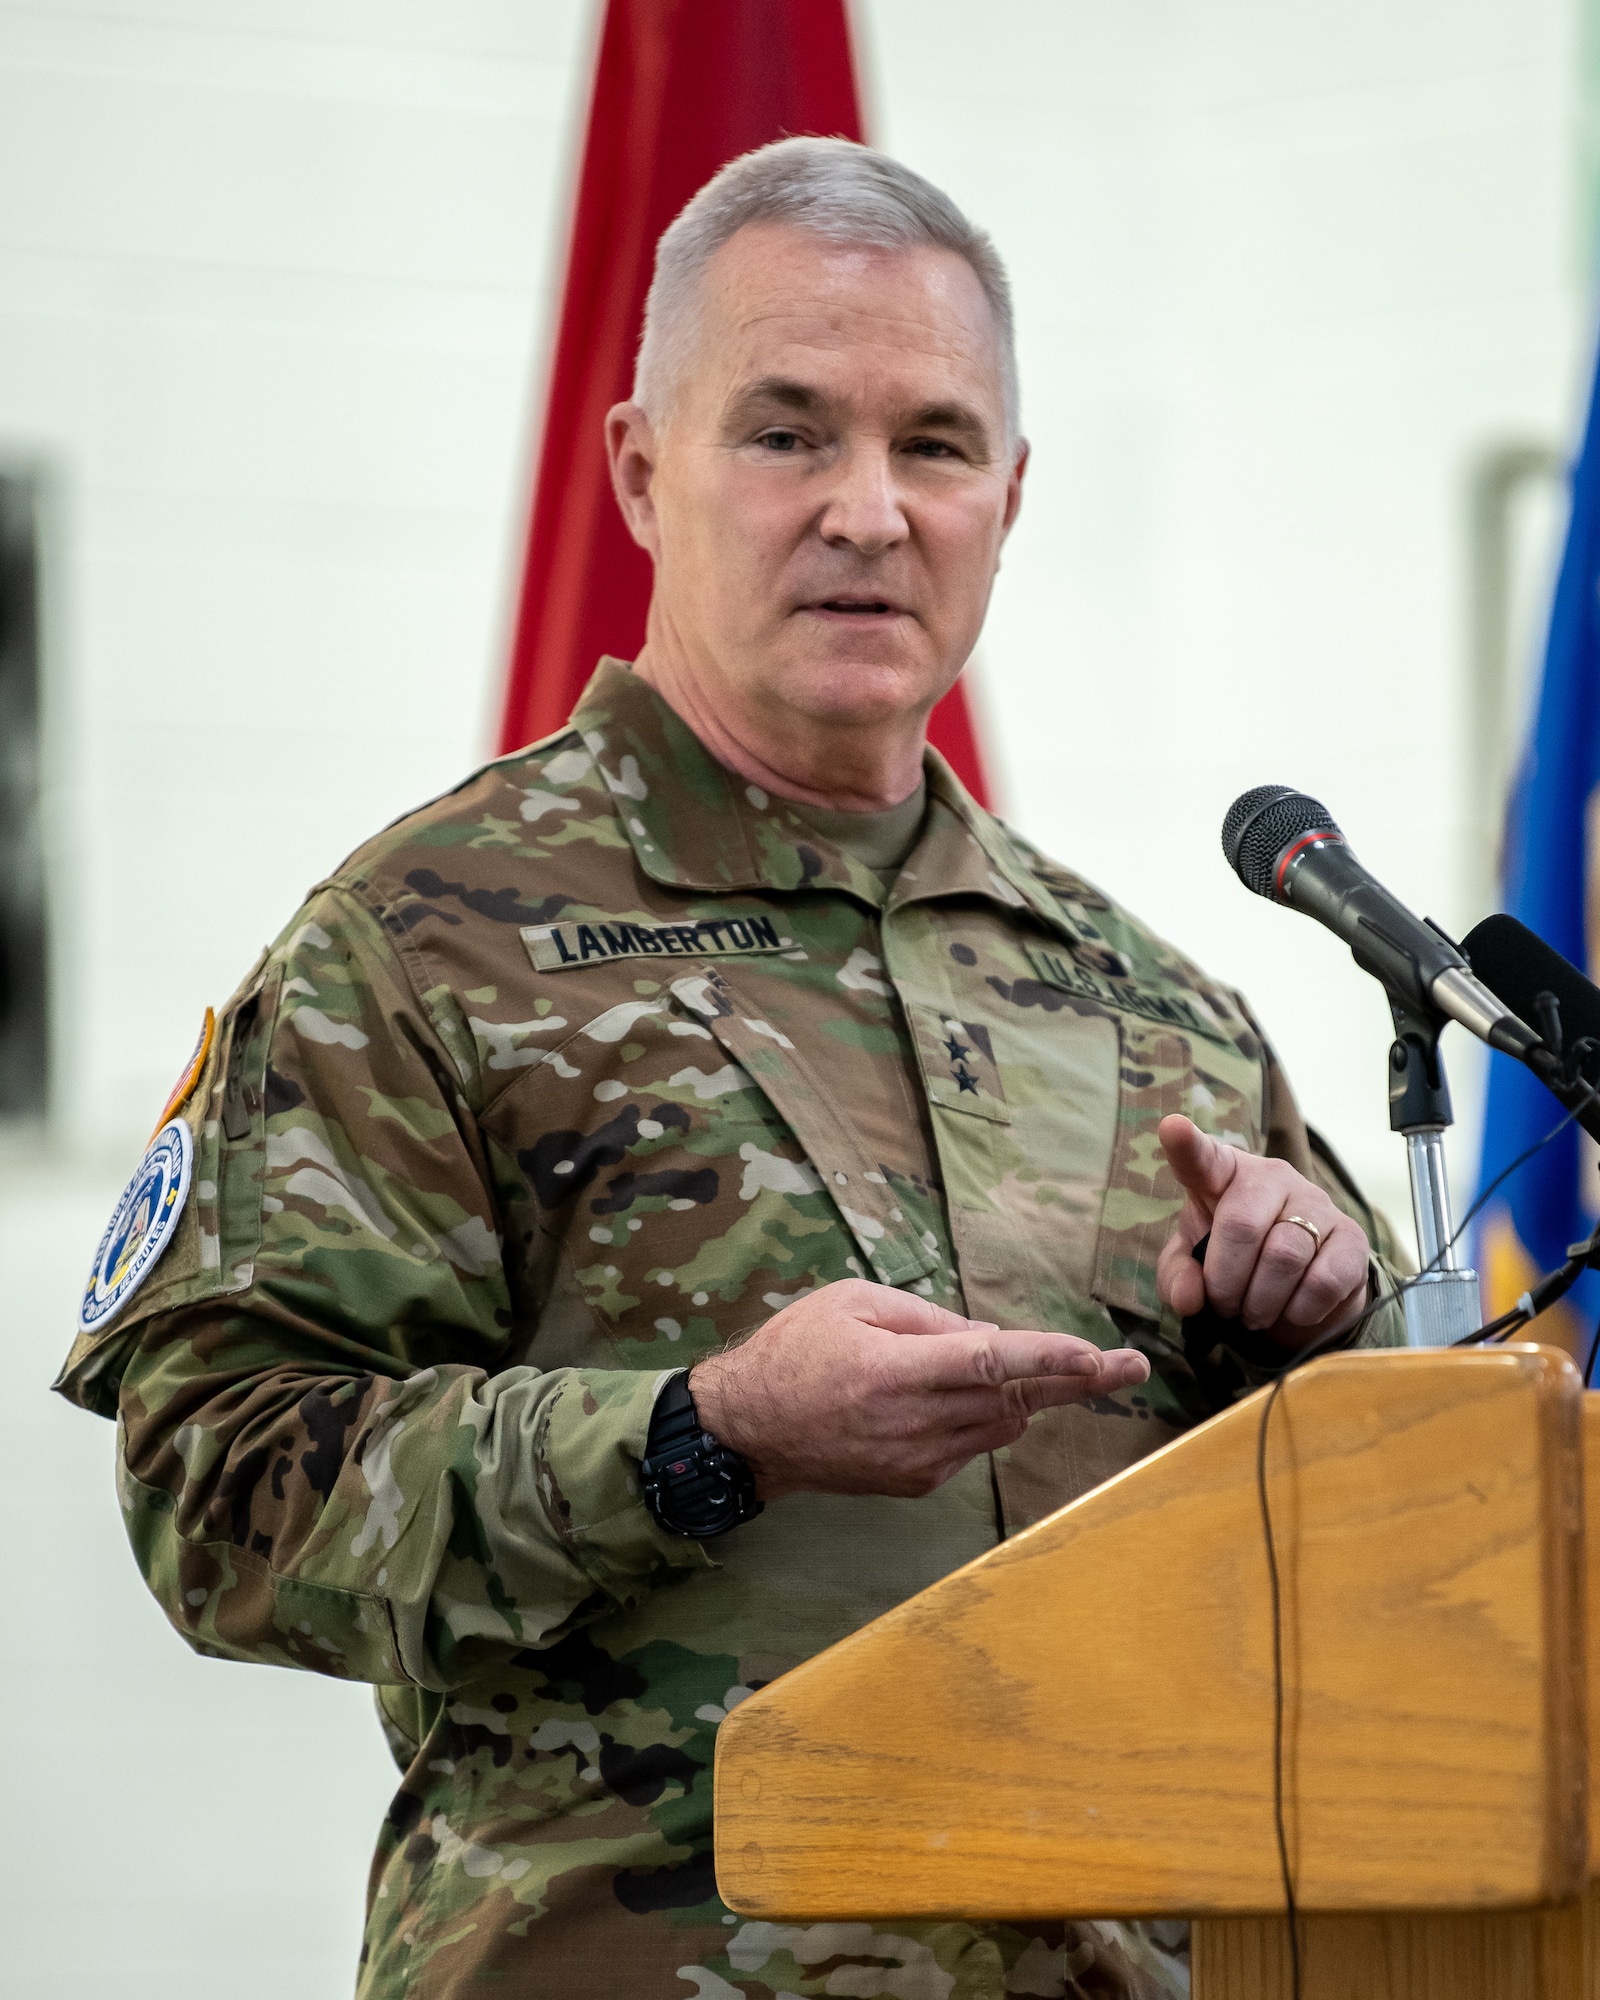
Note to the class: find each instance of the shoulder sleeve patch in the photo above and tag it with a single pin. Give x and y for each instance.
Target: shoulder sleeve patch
(191, 1071)
(141, 1225)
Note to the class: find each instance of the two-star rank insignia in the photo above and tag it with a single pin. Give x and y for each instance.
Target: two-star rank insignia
(958, 1052)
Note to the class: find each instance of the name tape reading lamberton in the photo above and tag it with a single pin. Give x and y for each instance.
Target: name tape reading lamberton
(556, 947)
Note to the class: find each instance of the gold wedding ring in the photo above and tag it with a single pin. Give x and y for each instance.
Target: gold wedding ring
(1310, 1228)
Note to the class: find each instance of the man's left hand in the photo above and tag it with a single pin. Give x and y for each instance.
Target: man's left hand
(1261, 1268)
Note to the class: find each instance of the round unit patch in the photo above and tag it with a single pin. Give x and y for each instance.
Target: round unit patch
(141, 1225)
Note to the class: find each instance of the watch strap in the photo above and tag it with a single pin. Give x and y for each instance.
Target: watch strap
(674, 1420)
(694, 1484)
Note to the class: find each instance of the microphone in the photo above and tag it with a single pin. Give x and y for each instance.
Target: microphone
(1520, 968)
(1288, 848)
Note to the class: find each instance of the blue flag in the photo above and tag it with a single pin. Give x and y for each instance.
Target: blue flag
(1552, 828)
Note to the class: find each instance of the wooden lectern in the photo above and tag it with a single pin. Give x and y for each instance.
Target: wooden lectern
(1081, 1722)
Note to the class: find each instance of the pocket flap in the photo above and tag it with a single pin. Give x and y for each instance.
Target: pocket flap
(895, 1251)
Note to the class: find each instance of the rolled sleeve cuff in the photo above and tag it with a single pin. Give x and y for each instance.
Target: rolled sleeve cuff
(1387, 1326)
(592, 1446)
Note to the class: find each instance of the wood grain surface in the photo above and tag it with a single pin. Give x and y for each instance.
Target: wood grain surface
(1550, 1954)
(1476, 1955)
(1080, 1722)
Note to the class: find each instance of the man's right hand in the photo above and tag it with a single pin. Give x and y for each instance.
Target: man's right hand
(859, 1388)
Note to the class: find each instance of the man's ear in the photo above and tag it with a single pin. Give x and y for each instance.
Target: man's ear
(631, 453)
(1014, 486)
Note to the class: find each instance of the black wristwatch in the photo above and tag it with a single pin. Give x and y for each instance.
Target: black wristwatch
(694, 1484)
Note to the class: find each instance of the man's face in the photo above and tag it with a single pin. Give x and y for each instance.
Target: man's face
(829, 490)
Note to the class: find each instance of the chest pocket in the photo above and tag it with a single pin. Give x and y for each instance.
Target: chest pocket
(1046, 1123)
(685, 1168)
(895, 1251)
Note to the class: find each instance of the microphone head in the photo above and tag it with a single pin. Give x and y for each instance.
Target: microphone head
(1517, 966)
(1259, 826)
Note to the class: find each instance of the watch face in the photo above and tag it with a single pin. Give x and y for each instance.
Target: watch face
(704, 1512)
(703, 1490)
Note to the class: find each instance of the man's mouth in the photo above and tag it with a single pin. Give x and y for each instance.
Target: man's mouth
(855, 607)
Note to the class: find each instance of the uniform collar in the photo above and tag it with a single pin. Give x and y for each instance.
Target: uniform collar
(694, 824)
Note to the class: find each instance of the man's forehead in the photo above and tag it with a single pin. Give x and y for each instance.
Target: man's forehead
(770, 271)
(786, 305)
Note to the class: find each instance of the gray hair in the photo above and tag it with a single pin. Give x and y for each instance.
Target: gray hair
(832, 188)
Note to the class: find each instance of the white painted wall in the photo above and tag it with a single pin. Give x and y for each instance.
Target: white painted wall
(271, 311)
(273, 298)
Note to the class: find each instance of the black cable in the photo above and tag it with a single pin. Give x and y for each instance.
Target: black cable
(1508, 1322)
(1276, 1592)
(1403, 1285)
(1529, 1307)
(1540, 1297)
(1589, 1097)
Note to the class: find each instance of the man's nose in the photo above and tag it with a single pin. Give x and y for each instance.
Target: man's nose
(863, 507)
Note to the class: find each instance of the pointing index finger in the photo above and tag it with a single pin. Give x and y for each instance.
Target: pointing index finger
(986, 1359)
(1204, 1166)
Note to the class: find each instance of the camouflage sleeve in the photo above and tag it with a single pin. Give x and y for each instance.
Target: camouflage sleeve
(327, 1460)
(1290, 1138)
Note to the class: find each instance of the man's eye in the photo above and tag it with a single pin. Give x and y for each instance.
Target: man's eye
(932, 448)
(779, 440)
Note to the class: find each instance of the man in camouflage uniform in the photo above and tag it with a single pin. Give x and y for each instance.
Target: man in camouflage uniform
(722, 1030)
